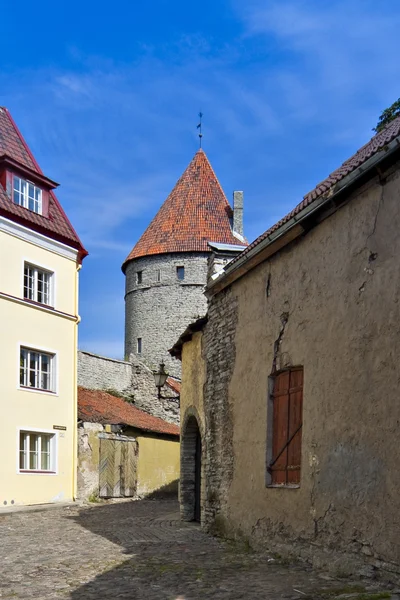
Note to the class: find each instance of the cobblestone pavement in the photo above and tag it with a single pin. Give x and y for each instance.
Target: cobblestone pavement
(140, 550)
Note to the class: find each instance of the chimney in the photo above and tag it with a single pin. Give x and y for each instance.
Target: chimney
(238, 212)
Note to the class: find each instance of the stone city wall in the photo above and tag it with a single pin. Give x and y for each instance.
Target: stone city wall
(102, 373)
(134, 380)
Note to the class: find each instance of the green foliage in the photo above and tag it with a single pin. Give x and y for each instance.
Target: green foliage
(388, 115)
(94, 497)
(117, 394)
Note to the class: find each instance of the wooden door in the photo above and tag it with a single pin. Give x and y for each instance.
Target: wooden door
(117, 467)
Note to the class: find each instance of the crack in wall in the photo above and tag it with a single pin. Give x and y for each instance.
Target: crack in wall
(278, 341)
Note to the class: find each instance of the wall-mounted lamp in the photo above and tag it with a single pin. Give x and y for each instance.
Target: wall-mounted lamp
(160, 377)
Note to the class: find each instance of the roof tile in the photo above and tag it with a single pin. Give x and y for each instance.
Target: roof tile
(377, 143)
(98, 406)
(56, 224)
(195, 212)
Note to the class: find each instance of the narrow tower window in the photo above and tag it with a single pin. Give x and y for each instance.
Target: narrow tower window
(180, 273)
(139, 276)
(139, 345)
(158, 275)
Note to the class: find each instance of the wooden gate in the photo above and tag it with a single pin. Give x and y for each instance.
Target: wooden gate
(117, 467)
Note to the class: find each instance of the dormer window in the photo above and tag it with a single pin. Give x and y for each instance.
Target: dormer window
(26, 194)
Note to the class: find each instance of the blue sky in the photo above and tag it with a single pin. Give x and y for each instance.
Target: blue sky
(107, 97)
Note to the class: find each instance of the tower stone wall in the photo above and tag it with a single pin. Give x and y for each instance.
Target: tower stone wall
(159, 305)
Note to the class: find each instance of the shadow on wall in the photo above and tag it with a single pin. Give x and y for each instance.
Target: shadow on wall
(170, 490)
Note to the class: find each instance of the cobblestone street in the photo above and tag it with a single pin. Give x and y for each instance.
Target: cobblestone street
(140, 550)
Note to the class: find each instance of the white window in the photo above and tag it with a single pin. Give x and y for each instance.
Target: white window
(26, 194)
(37, 370)
(37, 284)
(37, 452)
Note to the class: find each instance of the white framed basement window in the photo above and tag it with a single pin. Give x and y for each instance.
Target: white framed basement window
(27, 194)
(37, 370)
(37, 452)
(38, 284)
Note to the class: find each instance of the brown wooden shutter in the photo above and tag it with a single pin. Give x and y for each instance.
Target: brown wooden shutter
(285, 466)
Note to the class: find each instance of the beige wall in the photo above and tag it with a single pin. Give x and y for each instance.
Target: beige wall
(27, 325)
(193, 378)
(158, 463)
(17, 251)
(339, 289)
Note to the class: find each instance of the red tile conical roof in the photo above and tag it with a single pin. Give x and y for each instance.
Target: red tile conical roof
(195, 212)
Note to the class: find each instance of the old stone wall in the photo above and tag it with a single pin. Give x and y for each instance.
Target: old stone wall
(88, 460)
(158, 309)
(330, 303)
(145, 394)
(133, 379)
(102, 373)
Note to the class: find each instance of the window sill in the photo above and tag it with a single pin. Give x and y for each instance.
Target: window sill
(33, 472)
(284, 486)
(40, 304)
(37, 390)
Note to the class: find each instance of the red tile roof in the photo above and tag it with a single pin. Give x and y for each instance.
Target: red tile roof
(195, 212)
(56, 225)
(377, 143)
(98, 406)
(174, 384)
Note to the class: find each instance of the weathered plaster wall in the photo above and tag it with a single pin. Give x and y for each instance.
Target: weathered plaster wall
(132, 379)
(159, 311)
(158, 464)
(193, 377)
(192, 406)
(333, 300)
(88, 459)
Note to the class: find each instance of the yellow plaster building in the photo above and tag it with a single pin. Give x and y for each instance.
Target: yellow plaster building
(40, 257)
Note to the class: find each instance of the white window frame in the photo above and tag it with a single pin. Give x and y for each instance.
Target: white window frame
(53, 391)
(53, 451)
(36, 270)
(23, 191)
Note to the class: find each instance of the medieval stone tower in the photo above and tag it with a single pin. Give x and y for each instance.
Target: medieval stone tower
(166, 271)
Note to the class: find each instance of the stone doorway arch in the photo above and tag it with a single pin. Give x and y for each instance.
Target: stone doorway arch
(191, 470)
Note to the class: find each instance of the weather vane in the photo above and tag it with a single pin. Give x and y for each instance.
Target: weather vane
(199, 127)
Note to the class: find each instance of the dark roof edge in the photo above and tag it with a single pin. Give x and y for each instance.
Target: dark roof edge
(292, 228)
(176, 350)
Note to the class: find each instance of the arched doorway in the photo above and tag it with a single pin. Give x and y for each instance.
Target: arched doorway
(191, 457)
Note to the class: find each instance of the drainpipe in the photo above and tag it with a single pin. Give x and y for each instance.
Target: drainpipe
(75, 412)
